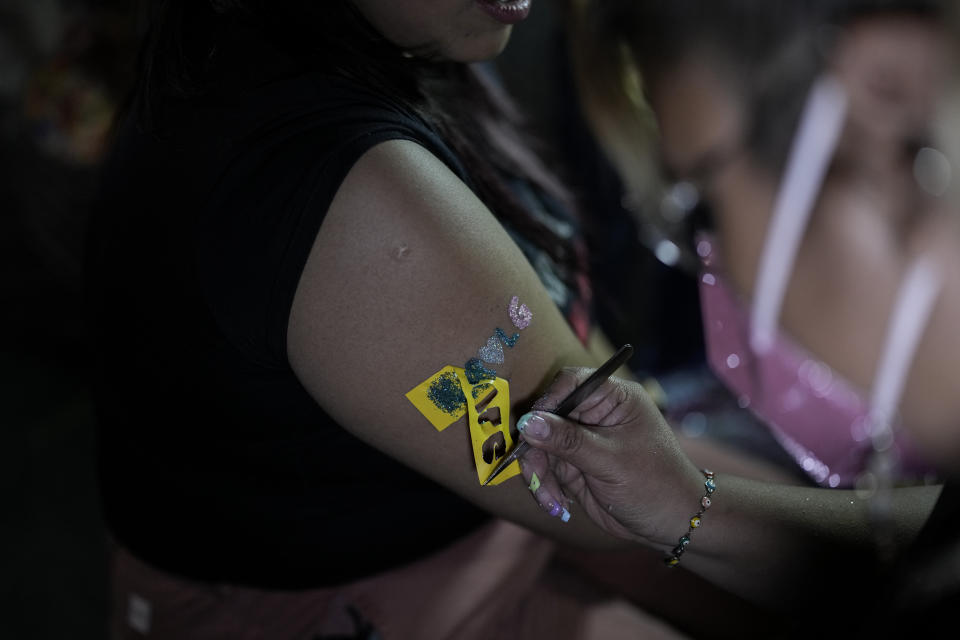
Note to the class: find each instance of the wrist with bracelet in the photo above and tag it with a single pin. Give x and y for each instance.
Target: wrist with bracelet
(709, 486)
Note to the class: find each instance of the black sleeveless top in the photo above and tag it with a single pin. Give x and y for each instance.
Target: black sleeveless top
(215, 462)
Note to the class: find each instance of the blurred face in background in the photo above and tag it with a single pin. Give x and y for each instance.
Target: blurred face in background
(457, 30)
(885, 200)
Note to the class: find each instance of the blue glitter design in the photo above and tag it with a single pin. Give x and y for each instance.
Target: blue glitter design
(476, 372)
(507, 340)
(480, 388)
(445, 392)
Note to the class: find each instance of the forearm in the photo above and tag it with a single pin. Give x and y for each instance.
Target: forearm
(783, 545)
(776, 544)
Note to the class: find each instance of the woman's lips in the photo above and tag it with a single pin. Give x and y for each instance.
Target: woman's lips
(508, 12)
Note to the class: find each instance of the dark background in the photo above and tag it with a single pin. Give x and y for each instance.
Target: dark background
(63, 66)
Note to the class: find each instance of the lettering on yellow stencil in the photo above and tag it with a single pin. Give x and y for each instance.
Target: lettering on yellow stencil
(482, 432)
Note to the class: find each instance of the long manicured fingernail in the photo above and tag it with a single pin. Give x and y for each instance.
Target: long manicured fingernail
(547, 502)
(532, 425)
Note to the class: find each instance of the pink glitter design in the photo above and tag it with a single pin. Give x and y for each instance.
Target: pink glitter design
(520, 314)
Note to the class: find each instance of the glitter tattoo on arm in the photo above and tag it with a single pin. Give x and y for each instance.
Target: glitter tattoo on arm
(507, 340)
(492, 352)
(477, 390)
(476, 372)
(520, 314)
(445, 393)
(442, 400)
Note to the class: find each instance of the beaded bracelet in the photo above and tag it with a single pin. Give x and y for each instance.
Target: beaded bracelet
(709, 486)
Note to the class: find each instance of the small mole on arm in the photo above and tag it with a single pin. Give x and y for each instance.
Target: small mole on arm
(401, 252)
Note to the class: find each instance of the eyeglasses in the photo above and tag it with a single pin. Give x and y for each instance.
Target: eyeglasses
(681, 211)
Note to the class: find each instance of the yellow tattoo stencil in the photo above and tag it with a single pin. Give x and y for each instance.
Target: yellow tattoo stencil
(489, 418)
(440, 398)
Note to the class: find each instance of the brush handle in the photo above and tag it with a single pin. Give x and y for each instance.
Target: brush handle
(569, 403)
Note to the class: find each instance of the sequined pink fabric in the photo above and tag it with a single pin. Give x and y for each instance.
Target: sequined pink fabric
(818, 416)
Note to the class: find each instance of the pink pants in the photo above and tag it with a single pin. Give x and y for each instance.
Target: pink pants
(495, 583)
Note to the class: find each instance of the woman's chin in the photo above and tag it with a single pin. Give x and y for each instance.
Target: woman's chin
(479, 48)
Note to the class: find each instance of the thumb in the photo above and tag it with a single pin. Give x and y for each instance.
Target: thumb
(564, 439)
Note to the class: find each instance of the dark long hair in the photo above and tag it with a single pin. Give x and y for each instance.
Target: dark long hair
(182, 58)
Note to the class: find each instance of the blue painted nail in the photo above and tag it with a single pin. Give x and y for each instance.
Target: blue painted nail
(565, 516)
(522, 422)
(533, 426)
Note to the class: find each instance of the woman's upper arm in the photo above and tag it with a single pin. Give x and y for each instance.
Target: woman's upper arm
(409, 273)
